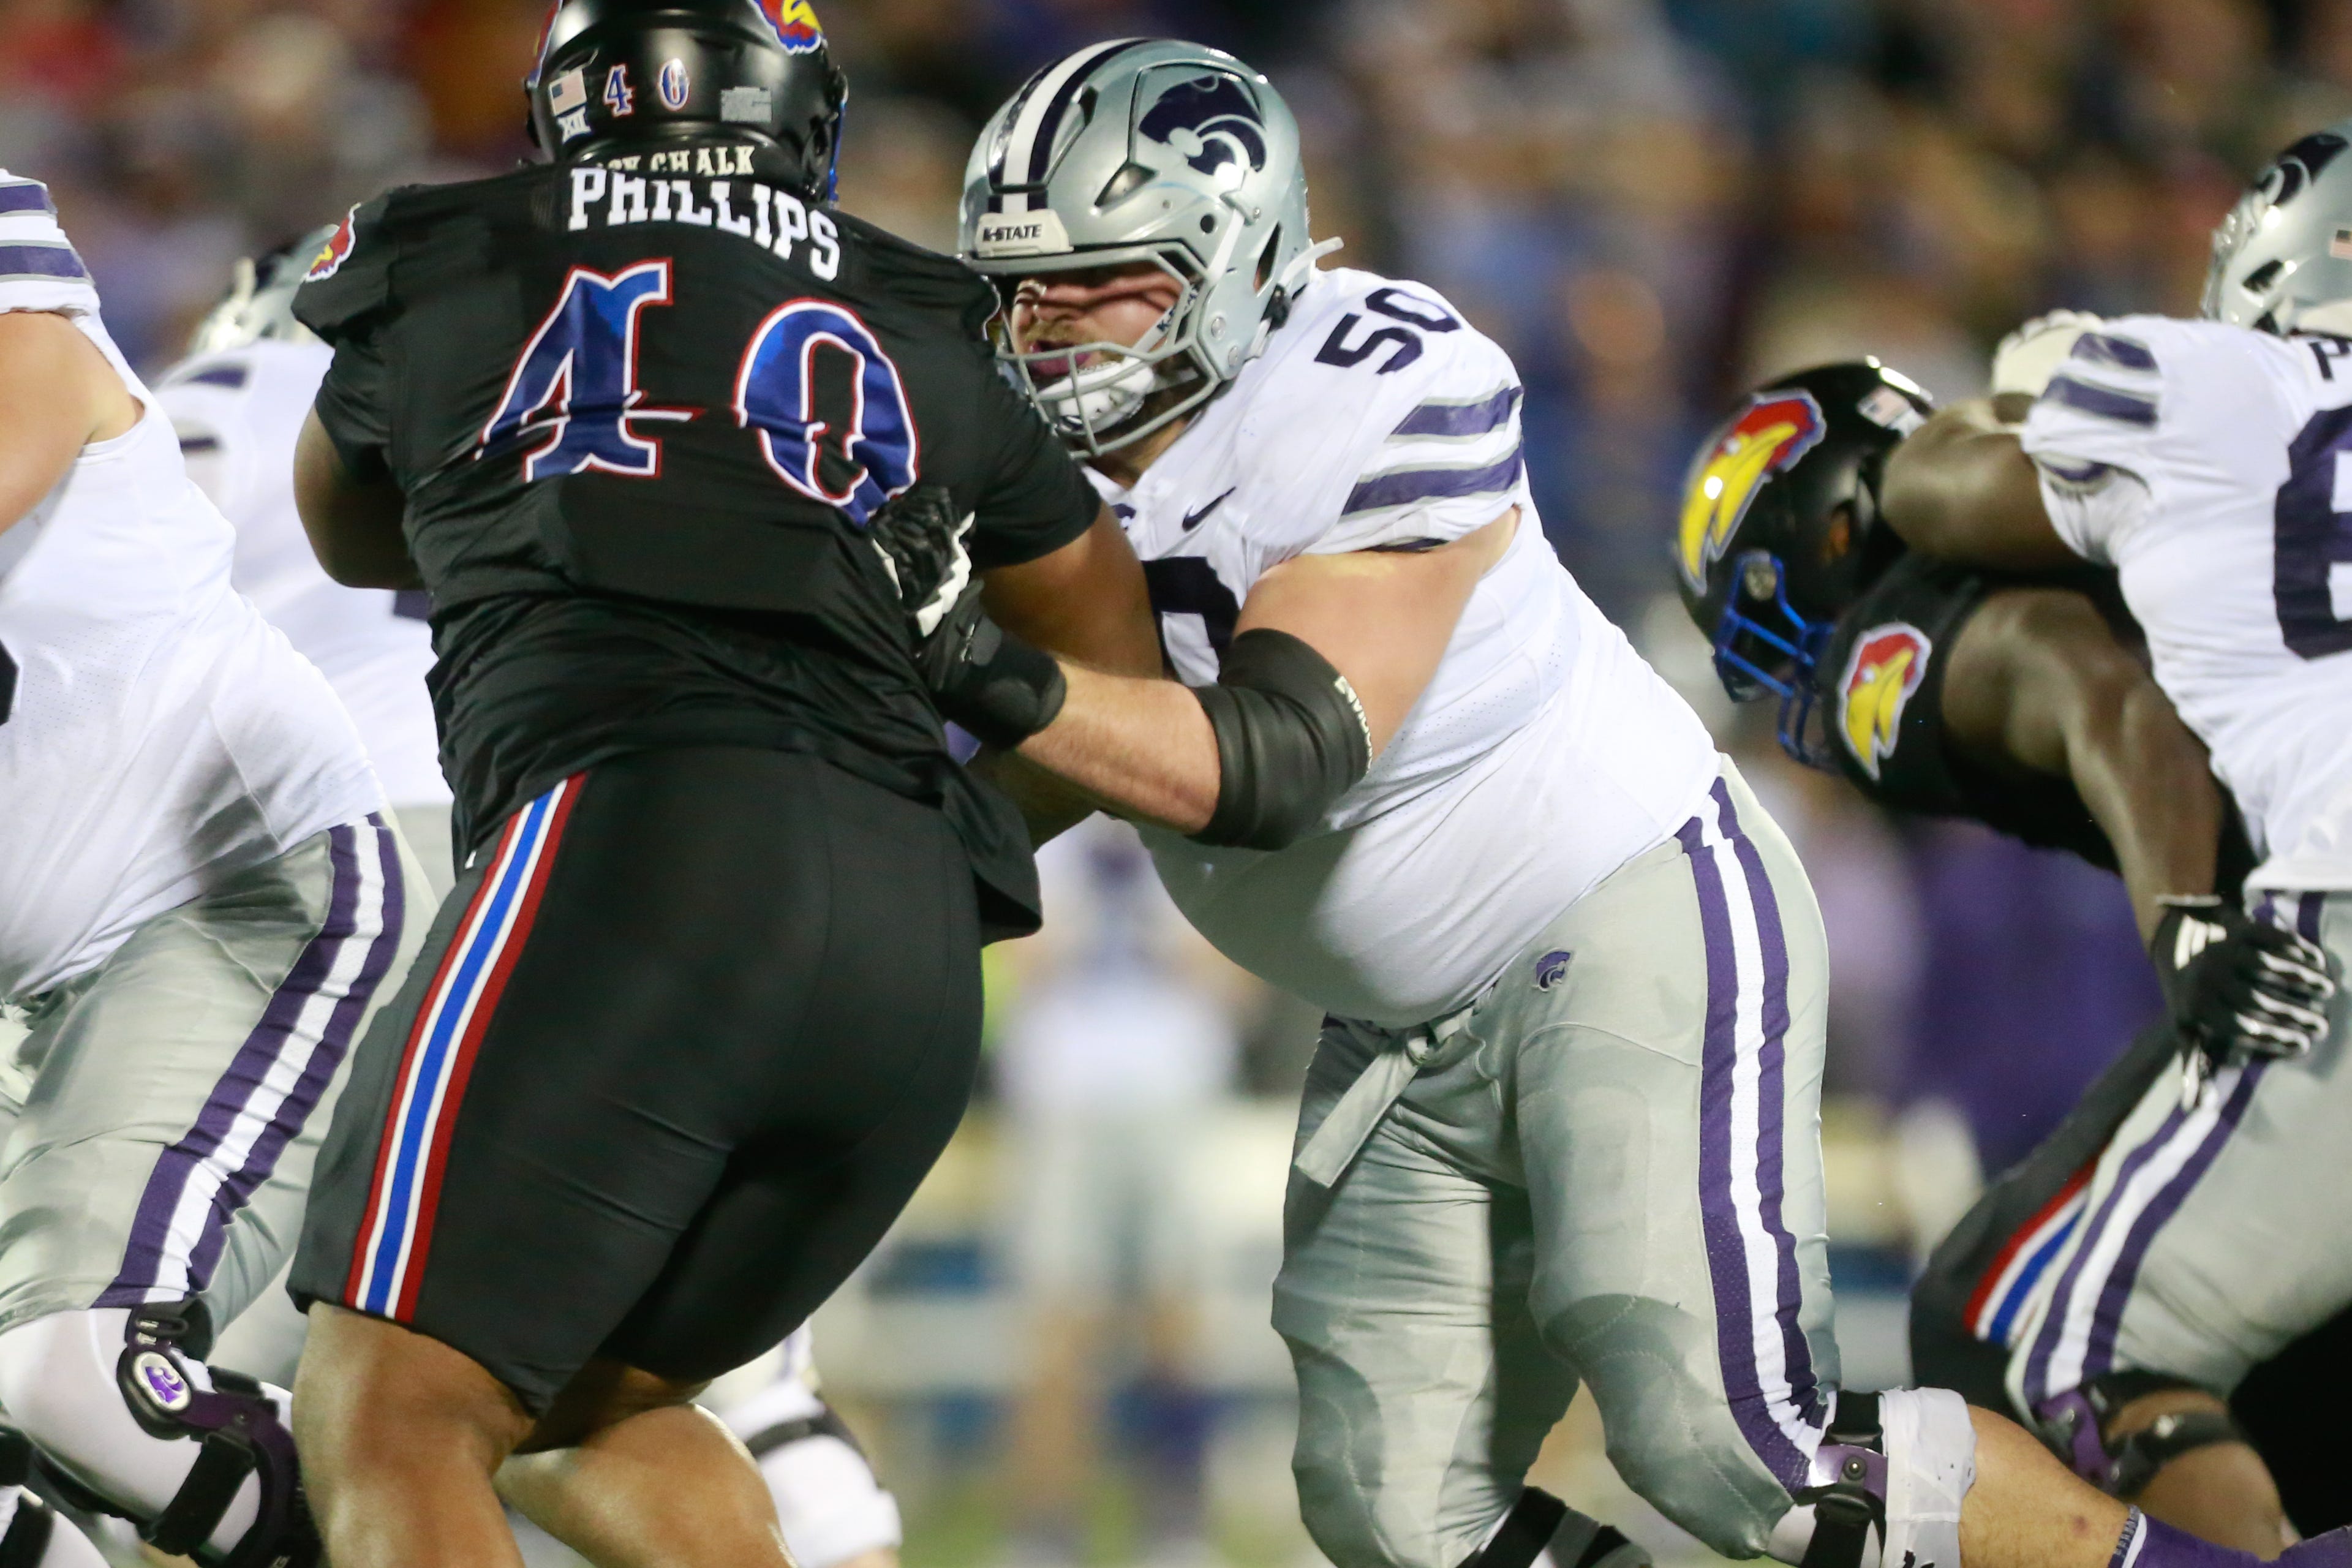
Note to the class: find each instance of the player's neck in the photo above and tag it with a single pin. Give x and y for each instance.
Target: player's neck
(1125, 467)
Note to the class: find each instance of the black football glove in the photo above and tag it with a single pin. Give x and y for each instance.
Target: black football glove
(2238, 990)
(997, 687)
(920, 540)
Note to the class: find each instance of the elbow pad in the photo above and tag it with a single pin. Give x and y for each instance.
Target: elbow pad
(1291, 738)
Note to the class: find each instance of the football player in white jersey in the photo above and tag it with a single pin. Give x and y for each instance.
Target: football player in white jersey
(238, 400)
(2207, 462)
(202, 901)
(1562, 1120)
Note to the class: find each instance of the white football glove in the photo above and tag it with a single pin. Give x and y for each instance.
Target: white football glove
(2030, 356)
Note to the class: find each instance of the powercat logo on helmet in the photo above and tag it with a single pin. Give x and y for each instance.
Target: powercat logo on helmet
(332, 254)
(795, 24)
(1888, 664)
(1778, 429)
(1211, 119)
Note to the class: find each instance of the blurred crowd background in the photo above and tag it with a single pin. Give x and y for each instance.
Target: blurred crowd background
(1063, 1357)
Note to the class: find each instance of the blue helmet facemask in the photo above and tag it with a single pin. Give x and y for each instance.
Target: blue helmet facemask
(1778, 650)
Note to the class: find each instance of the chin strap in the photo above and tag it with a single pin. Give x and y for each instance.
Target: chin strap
(236, 1425)
(2074, 1427)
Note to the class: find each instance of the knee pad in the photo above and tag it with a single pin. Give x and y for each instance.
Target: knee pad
(2075, 1427)
(1541, 1531)
(55, 1378)
(1886, 1484)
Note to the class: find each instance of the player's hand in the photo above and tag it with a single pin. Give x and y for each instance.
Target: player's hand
(2240, 989)
(921, 543)
(983, 677)
(2030, 356)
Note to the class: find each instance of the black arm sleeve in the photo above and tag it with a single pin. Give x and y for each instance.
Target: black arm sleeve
(1291, 738)
(1036, 500)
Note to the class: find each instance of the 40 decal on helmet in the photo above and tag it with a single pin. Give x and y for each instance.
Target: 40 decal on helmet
(615, 74)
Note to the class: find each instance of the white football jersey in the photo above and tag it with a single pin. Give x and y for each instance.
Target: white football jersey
(1544, 754)
(2211, 466)
(160, 734)
(238, 414)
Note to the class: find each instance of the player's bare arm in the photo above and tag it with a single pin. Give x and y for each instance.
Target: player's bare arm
(57, 395)
(2039, 682)
(1962, 489)
(1085, 602)
(354, 524)
(1380, 619)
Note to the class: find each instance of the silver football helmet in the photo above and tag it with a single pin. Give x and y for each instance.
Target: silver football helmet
(260, 299)
(2283, 258)
(1153, 151)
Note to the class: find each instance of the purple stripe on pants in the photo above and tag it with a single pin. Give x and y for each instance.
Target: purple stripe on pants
(1727, 1252)
(2053, 1322)
(2107, 1318)
(1771, 1093)
(150, 1250)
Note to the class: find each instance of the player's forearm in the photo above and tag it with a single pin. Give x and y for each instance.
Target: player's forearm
(1049, 807)
(2148, 782)
(1144, 748)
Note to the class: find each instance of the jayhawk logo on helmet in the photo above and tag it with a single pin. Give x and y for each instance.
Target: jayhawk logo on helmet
(1779, 428)
(1888, 664)
(332, 254)
(796, 23)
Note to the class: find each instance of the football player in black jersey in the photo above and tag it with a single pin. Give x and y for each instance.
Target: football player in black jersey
(2024, 704)
(647, 420)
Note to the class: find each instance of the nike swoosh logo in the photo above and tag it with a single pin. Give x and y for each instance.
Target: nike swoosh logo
(1193, 519)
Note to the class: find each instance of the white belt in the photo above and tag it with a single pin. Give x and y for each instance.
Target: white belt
(1399, 1055)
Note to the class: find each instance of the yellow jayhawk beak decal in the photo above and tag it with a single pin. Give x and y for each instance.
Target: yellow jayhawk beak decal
(1778, 429)
(1888, 664)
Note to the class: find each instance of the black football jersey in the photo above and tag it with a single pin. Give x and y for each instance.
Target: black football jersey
(643, 409)
(1885, 700)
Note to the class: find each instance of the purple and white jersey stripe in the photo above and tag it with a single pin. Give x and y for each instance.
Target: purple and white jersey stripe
(1543, 754)
(1767, 1364)
(274, 1081)
(39, 268)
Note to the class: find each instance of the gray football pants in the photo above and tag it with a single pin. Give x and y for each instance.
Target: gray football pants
(1608, 1167)
(178, 1093)
(2211, 1230)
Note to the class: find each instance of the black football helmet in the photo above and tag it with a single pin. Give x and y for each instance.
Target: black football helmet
(651, 70)
(1781, 532)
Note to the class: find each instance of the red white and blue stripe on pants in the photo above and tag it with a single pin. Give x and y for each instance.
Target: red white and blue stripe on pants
(396, 1226)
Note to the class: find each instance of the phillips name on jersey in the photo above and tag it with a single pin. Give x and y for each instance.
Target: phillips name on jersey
(1544, 753)
(2211, 466)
